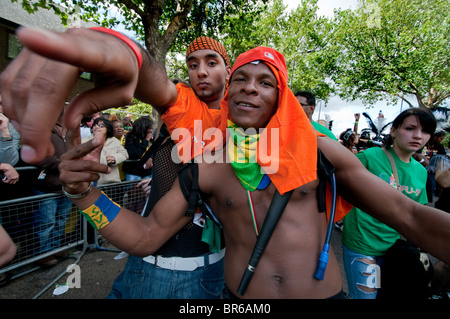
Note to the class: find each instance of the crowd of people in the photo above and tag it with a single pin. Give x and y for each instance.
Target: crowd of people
(50, 218)
(204, 220)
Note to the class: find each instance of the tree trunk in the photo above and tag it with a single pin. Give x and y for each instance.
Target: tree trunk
(159, 44)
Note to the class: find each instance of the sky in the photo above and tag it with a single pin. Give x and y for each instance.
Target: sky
(340, 111)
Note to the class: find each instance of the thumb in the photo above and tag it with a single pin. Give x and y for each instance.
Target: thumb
(74, 137)
(98, 141)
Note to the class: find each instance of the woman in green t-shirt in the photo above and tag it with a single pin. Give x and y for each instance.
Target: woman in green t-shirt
(365, 238)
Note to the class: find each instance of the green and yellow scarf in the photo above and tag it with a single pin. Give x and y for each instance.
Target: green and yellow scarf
(242, 149)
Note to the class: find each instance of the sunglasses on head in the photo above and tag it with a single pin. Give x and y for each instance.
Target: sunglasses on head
(347, 135)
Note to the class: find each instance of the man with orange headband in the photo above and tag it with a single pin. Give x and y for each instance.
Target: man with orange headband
(122, 70)
(258, 100)
(125, 69)
(184, 267)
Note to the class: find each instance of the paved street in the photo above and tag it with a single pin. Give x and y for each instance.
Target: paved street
(98, 271)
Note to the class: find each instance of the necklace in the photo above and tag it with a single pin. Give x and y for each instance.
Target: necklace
(252, 211)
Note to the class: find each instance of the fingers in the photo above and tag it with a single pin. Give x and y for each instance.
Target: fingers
(82, 150)
(34, 91)
(11, 176)
(145, 185)
(12, 180)
(36, 84)
(75, 166)
(76, 171)
(111, 61)
(108, 95)
(89, 50)
(4, 121)
(74, 137)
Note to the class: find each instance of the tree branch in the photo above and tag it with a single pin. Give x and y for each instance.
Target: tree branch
(132, 6)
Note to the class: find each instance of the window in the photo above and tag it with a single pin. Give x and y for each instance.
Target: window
(14, 46)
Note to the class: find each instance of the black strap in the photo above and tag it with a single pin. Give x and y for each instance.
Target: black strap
(324, 170)
(188, 178)
(274, 213)
(189, 174)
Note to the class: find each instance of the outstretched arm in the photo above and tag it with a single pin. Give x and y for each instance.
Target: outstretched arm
(428, 227)
(7, 248)
(126, 230)
(36, 84)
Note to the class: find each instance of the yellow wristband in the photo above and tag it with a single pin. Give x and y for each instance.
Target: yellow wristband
(102, 212)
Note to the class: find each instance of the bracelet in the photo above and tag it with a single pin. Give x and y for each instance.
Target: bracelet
(102, 212)
(78, 196)
(125, 39)
(6, 139)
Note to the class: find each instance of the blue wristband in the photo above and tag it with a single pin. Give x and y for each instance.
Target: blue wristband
(102, 212)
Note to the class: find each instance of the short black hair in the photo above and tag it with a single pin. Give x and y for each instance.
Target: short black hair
(425, 116)
(108, 125)
(438, 133)
(310, 98)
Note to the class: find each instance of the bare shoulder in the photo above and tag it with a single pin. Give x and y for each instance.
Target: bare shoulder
(214, 172)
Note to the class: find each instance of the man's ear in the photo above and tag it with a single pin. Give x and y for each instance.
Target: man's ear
(228, 72)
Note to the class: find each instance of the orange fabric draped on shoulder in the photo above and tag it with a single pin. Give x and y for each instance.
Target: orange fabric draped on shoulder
(287, 148)
(188, 120)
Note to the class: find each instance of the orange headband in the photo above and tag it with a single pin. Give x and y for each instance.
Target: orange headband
(206, 43)
(297, 144)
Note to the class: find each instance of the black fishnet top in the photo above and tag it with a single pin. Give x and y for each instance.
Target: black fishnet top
(187, 242)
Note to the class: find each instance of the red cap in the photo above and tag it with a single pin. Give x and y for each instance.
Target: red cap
(260, 53)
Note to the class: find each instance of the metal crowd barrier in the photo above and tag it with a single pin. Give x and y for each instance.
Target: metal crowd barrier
(16, 217)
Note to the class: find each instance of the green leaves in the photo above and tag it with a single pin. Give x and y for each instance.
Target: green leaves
(393, 48)
(385, 49)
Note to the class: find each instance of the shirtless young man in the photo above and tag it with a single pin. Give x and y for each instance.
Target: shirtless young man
(258, 97)
(287, 266)
(208, 67)
(164, 274)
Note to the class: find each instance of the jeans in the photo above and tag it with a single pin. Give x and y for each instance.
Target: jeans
(50, 221)
(143, 280)
(131, 177)
(361, 274)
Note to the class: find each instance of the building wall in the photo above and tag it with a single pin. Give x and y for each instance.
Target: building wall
(12, 16)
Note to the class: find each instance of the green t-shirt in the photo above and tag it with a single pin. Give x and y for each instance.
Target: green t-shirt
(322, 129)
(366, 234)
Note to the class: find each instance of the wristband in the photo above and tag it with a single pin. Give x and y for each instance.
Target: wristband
(125, 39)
(6, 139)
(422, 160)
(102, 212)
(78, 196)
